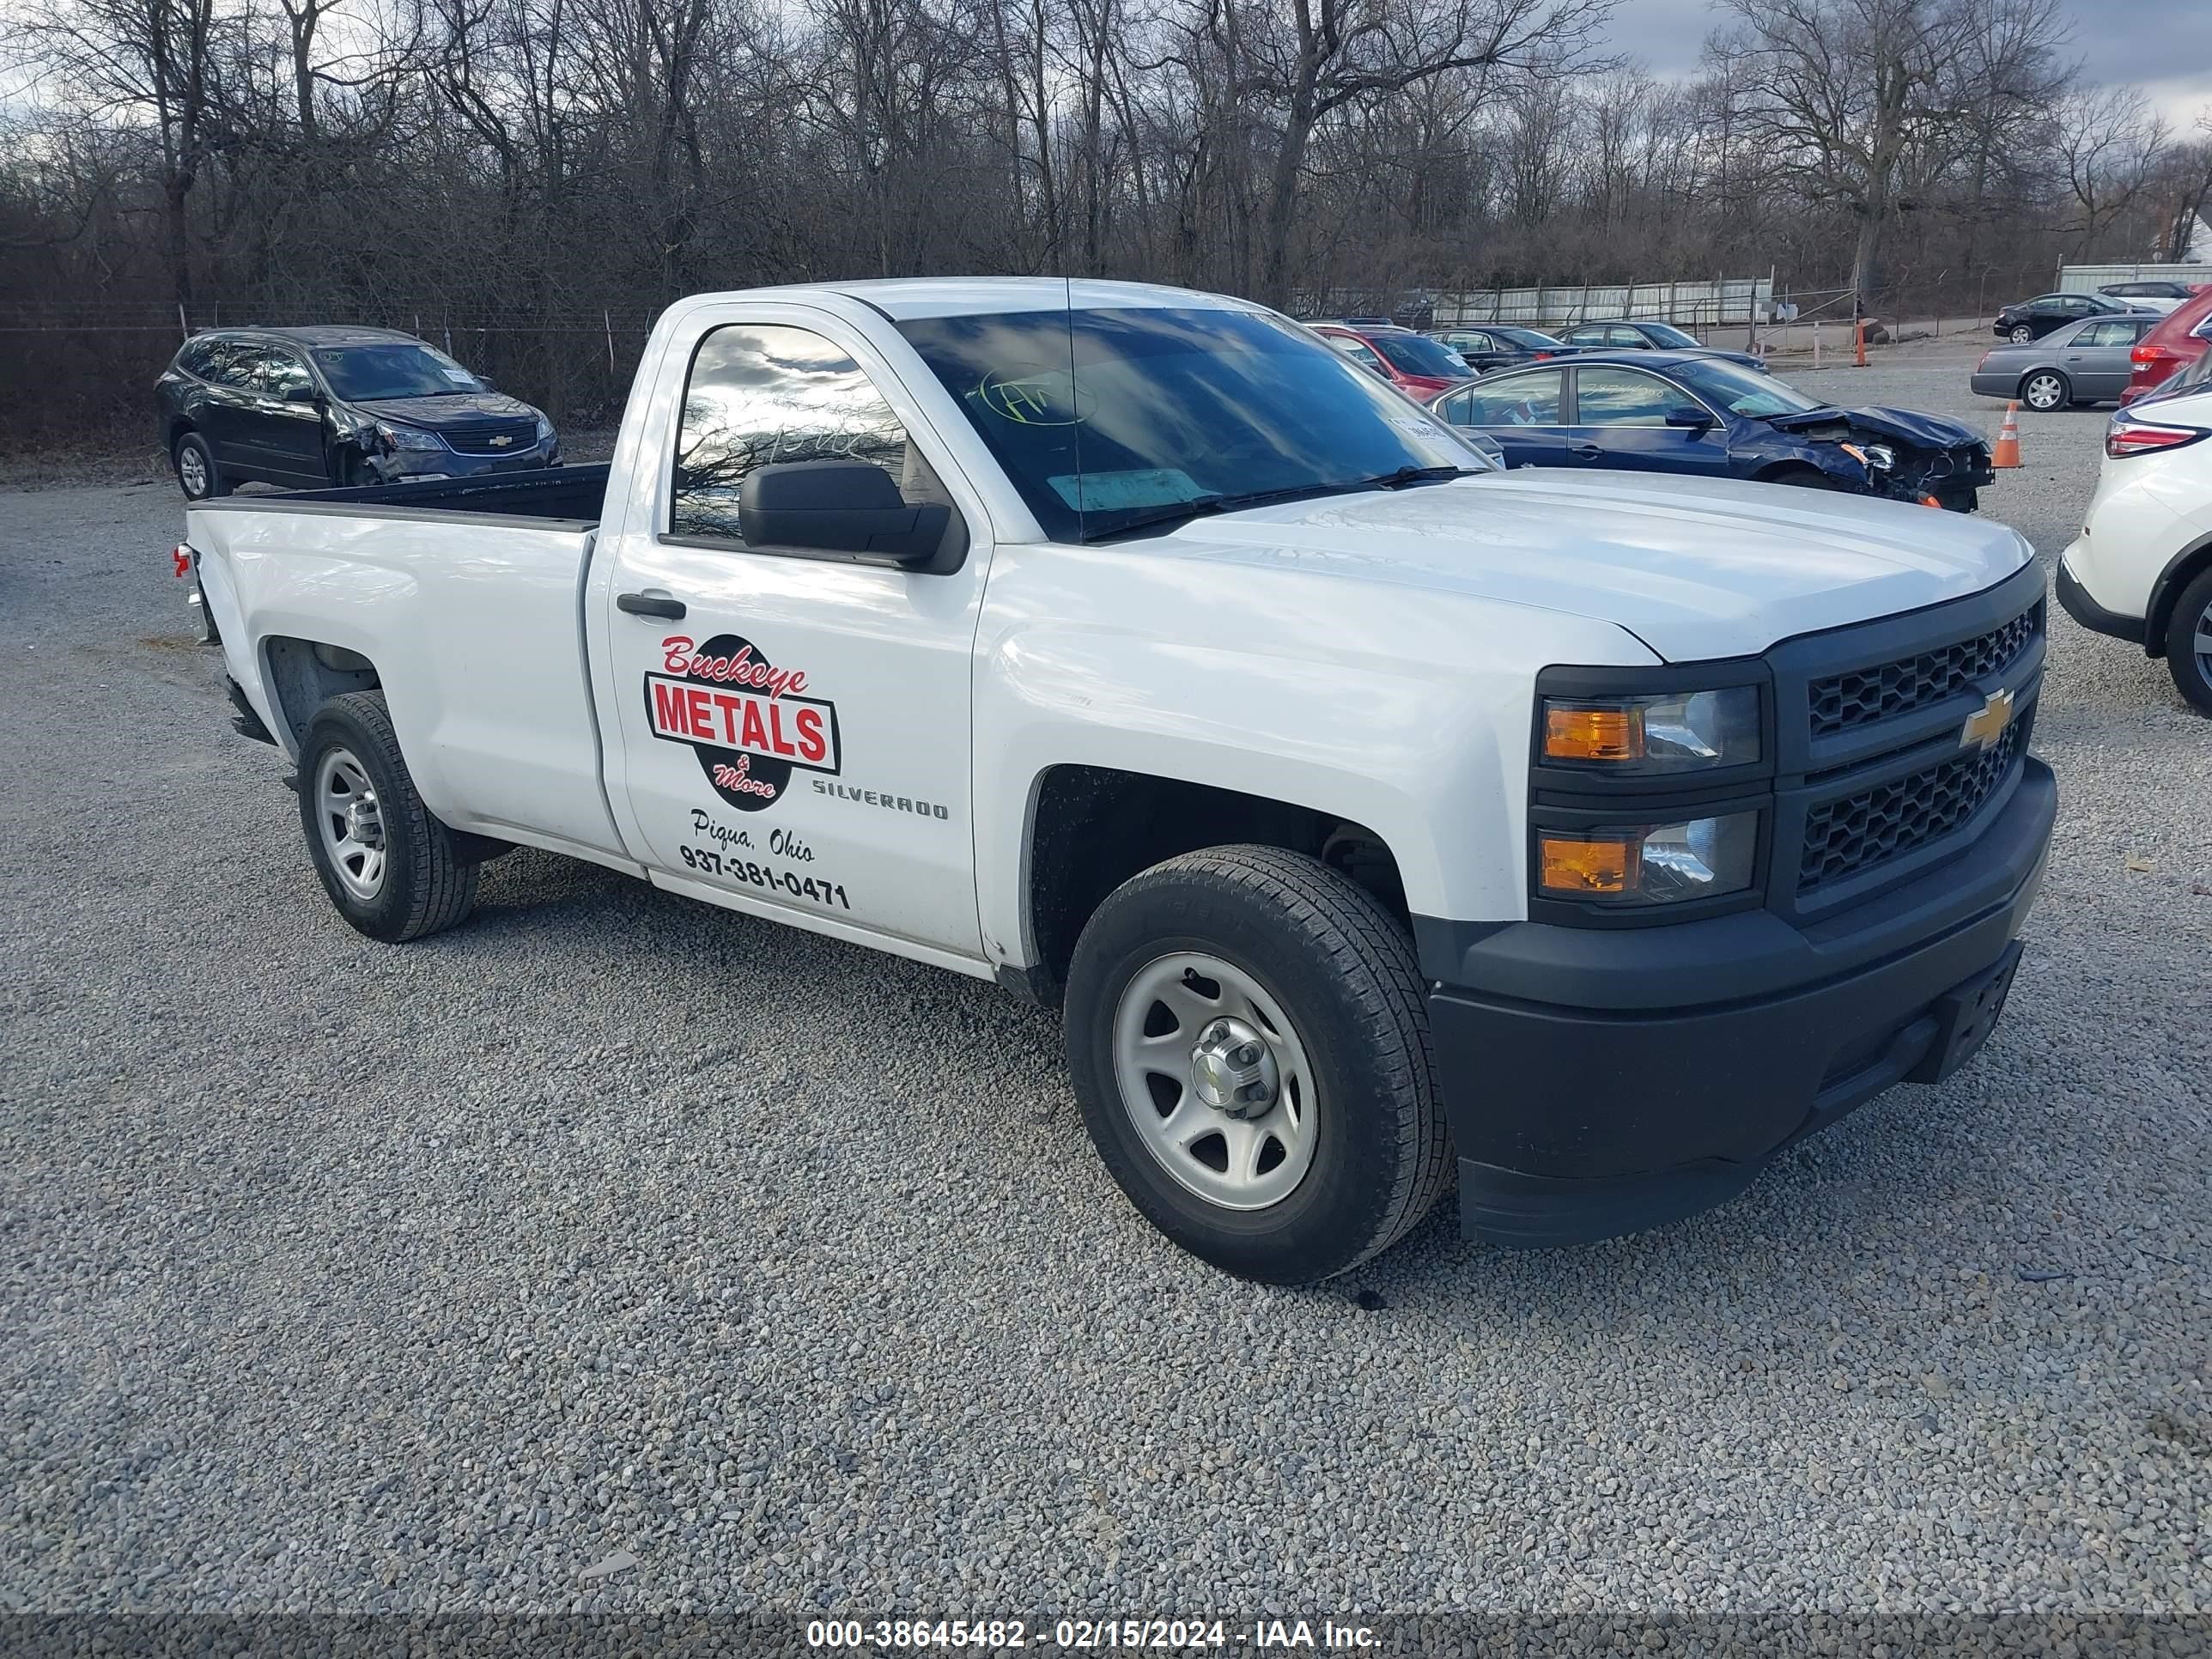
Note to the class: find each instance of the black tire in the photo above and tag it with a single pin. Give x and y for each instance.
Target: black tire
(2021, 334)
(2046, 389)
(426, 884)
(2189, 643)
(201, 465)
(360, 475)
(1342, 969)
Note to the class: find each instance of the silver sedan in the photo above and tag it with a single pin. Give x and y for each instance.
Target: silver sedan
(2084, 362)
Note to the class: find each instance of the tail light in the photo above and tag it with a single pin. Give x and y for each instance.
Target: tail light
(181, 557)
(2128, 434)
(2154, 362)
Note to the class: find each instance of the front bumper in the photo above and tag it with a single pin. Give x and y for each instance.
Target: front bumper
(1600, 1082)
(409, 464)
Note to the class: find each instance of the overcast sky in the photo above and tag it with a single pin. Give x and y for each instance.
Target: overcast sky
(2165, 46)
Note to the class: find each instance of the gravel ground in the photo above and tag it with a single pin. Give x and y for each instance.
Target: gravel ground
(344, 1277)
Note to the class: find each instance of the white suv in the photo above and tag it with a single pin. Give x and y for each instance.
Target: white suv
(2141, 569)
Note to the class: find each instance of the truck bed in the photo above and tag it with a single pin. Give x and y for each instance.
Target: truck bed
(572, 496)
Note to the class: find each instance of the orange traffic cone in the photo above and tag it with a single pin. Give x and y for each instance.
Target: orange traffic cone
(1860, 360)
(2007, 452)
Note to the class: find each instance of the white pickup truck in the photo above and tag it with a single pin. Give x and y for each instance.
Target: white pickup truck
(1373, 816)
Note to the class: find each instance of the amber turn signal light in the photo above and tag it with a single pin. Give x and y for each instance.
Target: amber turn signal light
(1569, 867)
(1583, 733)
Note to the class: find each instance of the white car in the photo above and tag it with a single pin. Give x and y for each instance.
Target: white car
(1373, 816)
(2141, 569)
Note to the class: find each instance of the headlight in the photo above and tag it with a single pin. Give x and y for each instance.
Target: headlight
(1875, 457)
(408, 437)
(1650, 863)
(545, 430)
(1680, 732)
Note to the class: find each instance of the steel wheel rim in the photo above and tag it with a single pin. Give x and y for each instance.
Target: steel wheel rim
(1236, 1163)
(350, 823)
(191, 467)
(2043, 391)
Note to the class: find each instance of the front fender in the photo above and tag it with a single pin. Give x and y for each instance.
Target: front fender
(1404, 710)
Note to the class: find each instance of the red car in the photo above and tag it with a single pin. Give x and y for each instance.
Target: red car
(2178, 340)
(1418, 365)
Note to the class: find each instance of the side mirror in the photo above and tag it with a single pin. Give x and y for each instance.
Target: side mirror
(1689, 415)
(296, 393)
(851, 508)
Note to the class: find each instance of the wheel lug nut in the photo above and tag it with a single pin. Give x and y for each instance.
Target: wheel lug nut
(1249, 1054)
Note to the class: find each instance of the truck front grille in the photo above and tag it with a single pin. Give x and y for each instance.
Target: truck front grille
(1844, 837)
(1843, 701)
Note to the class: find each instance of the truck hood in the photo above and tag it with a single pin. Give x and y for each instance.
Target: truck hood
(1695, 569)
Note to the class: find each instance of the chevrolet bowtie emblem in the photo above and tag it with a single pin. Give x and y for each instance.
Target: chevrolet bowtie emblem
(501, 442)
(1988, 723)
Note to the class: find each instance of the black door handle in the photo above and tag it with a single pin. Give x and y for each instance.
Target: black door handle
(646, 605)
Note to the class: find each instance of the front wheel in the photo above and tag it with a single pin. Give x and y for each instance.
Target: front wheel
(2189, 643)
(392, 869)
(1248, 1035)
(2046, 390)
(2021, 334)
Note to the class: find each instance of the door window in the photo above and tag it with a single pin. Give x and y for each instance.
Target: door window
(1621, 335)
(229, 362)
(761, 392)
(1528, 399)
(281, 371)
(1623, 397)
(1359, 351)
(1464, 342)
(1586, 336)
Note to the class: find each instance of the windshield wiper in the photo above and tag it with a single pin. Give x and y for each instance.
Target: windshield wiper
(1200, 506)
(1408, 475)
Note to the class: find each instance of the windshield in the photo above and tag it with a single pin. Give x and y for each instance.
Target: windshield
(1528, 338)
(1661, 334)
(1104, 419)
(1742, 391)
(401, 369)
(1416, 354)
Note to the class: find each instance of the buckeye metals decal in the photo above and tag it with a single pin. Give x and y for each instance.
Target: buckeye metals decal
(747, 720)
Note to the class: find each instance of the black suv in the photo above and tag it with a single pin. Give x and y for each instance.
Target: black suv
(316, 407)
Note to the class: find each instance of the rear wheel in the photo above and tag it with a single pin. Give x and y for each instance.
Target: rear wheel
(391, 868)
(2189, 643)
(1248, 1035)
(198, 475)
(2045, 390)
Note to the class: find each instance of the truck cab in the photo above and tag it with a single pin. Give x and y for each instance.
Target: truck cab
(1374, 817)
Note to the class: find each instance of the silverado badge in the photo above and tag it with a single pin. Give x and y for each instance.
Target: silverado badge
(1988, 723)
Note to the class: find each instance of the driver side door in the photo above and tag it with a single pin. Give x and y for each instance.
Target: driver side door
(1622, 414)
(793, 723)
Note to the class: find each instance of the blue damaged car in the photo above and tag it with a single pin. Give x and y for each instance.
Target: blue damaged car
(1679, 411)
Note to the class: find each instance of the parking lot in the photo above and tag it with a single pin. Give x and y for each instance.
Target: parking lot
(346, 1276)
